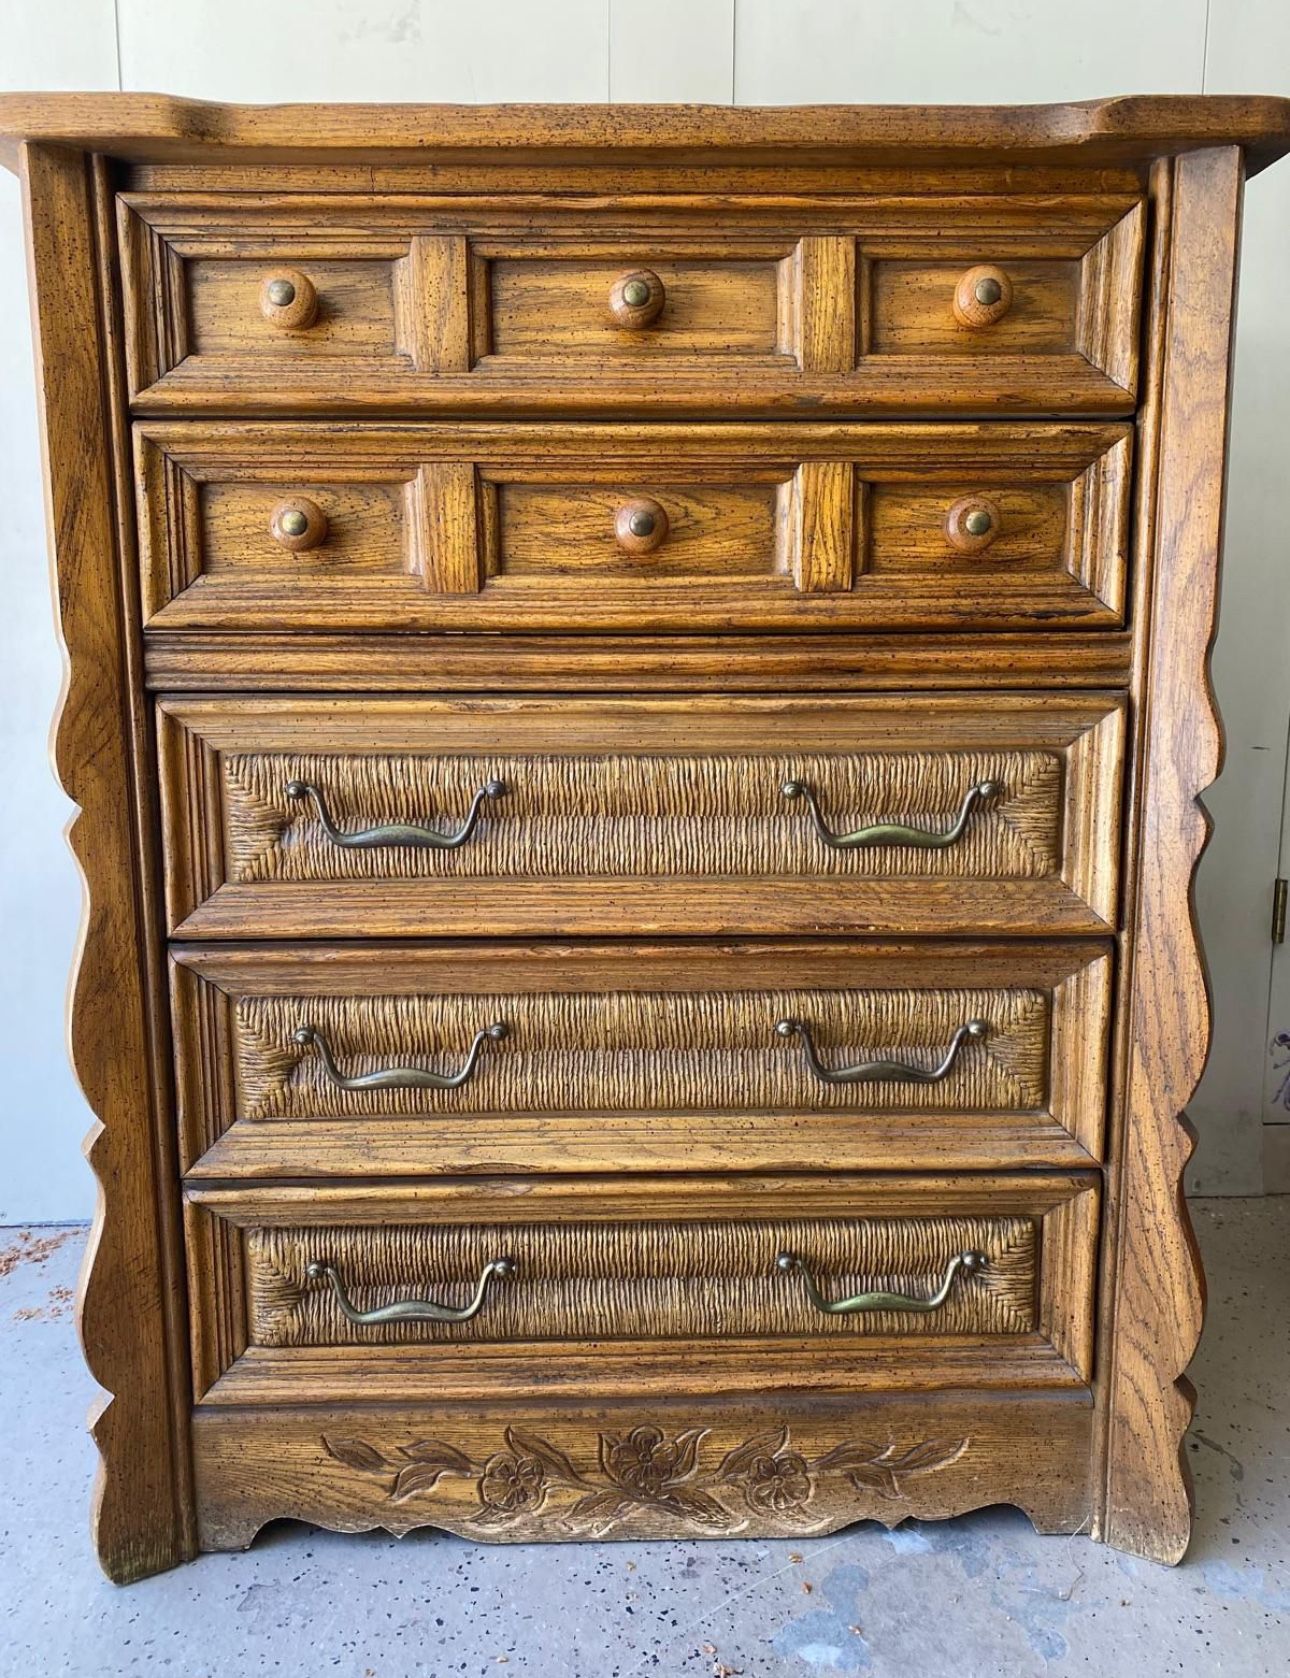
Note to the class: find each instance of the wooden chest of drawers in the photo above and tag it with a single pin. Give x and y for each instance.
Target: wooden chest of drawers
(637, 699)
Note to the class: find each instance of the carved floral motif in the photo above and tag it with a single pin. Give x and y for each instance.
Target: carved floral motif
(648, 1470)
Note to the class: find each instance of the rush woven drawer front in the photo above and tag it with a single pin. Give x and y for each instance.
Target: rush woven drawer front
(636, 704)
(886, 1281)
(315, 1061)
(304, 818)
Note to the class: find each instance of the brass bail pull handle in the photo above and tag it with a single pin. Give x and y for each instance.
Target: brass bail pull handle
(883, 1071)
(892, 833)
(396, 833)
(962, 1264)
(399, 1077)
(411, 1310)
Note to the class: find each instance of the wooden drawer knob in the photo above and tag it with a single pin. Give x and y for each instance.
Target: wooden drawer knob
(640, 526)
(972, 523)
(636, 299)
(289, 299)
(982, 296)
(298, 524)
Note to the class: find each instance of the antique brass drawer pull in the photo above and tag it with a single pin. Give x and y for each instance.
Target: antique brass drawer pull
(396, 833)
(892, 833)
(882, 1071)
(399, 1077)
(966, 1264)
(412, 1310)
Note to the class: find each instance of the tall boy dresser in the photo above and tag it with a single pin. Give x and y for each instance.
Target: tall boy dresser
(637, 698)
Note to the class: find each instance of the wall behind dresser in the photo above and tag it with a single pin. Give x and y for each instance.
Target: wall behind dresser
(749, 52)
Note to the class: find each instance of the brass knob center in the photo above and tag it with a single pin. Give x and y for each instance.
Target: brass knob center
(635, 292)
(988, 292)
(281, 293)
(642, 524)
(978, 522)
(293, 523)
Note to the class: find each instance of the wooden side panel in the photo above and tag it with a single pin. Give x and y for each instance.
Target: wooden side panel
(1156, 1296)
(141, 1510)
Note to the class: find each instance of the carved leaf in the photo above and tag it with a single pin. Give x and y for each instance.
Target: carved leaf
(687, 1445)
(738, 1461)
(491, 1515)
(874, 1477)
(930, 1455)
(356, 1453)
(850, 1454)
(557, 1465)
(598, 1507)
(693, 1505)
(435, 1453)
(419, 1477)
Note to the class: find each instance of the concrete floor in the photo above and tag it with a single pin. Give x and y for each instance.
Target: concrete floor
(979, 1597)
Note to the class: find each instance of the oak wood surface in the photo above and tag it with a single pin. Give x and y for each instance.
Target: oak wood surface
(131, 1287)
(448, 302)
(238, 1341)
(654, 1058)
(628, 816)
(642, 1467)
(1091, 134)
(514, 527)
(1145, 1503)
(1030, 308)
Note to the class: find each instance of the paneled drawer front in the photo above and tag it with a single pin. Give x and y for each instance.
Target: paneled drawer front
(320, 1061)
(966, 303)
(659, 529)
(399, 1286)
(317, 818)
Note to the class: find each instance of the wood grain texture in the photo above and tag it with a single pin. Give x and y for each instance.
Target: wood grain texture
(586, 1237)
(1089, 135)
(461, 606)
(513, 527)
(1157, 1300)
(660, 1057)
(227, 661)
(130, 1282)
(646, 815)
(654, 1468)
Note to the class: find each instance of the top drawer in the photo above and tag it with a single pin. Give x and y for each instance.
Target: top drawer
(690, 305)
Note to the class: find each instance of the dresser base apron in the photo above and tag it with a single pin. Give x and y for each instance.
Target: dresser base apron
(644, 1469)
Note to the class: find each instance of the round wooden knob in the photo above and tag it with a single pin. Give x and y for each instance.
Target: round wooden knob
(972, 523)
(640, 526)
(982, 296)
(298, 524)
(289, 299)
(636, 299)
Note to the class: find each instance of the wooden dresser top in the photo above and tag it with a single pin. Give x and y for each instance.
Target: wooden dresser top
(1096, 133)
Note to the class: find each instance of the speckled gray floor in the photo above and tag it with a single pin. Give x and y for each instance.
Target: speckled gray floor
(980, 1597)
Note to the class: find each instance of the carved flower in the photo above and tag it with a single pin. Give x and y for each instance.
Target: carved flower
(512, 1485)
(647, 1463)
(778, 1485)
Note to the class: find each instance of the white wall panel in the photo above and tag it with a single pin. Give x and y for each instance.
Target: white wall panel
(1249, 52)
(671, 50)
(467, 51)
(964, 51)
(54, 44)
